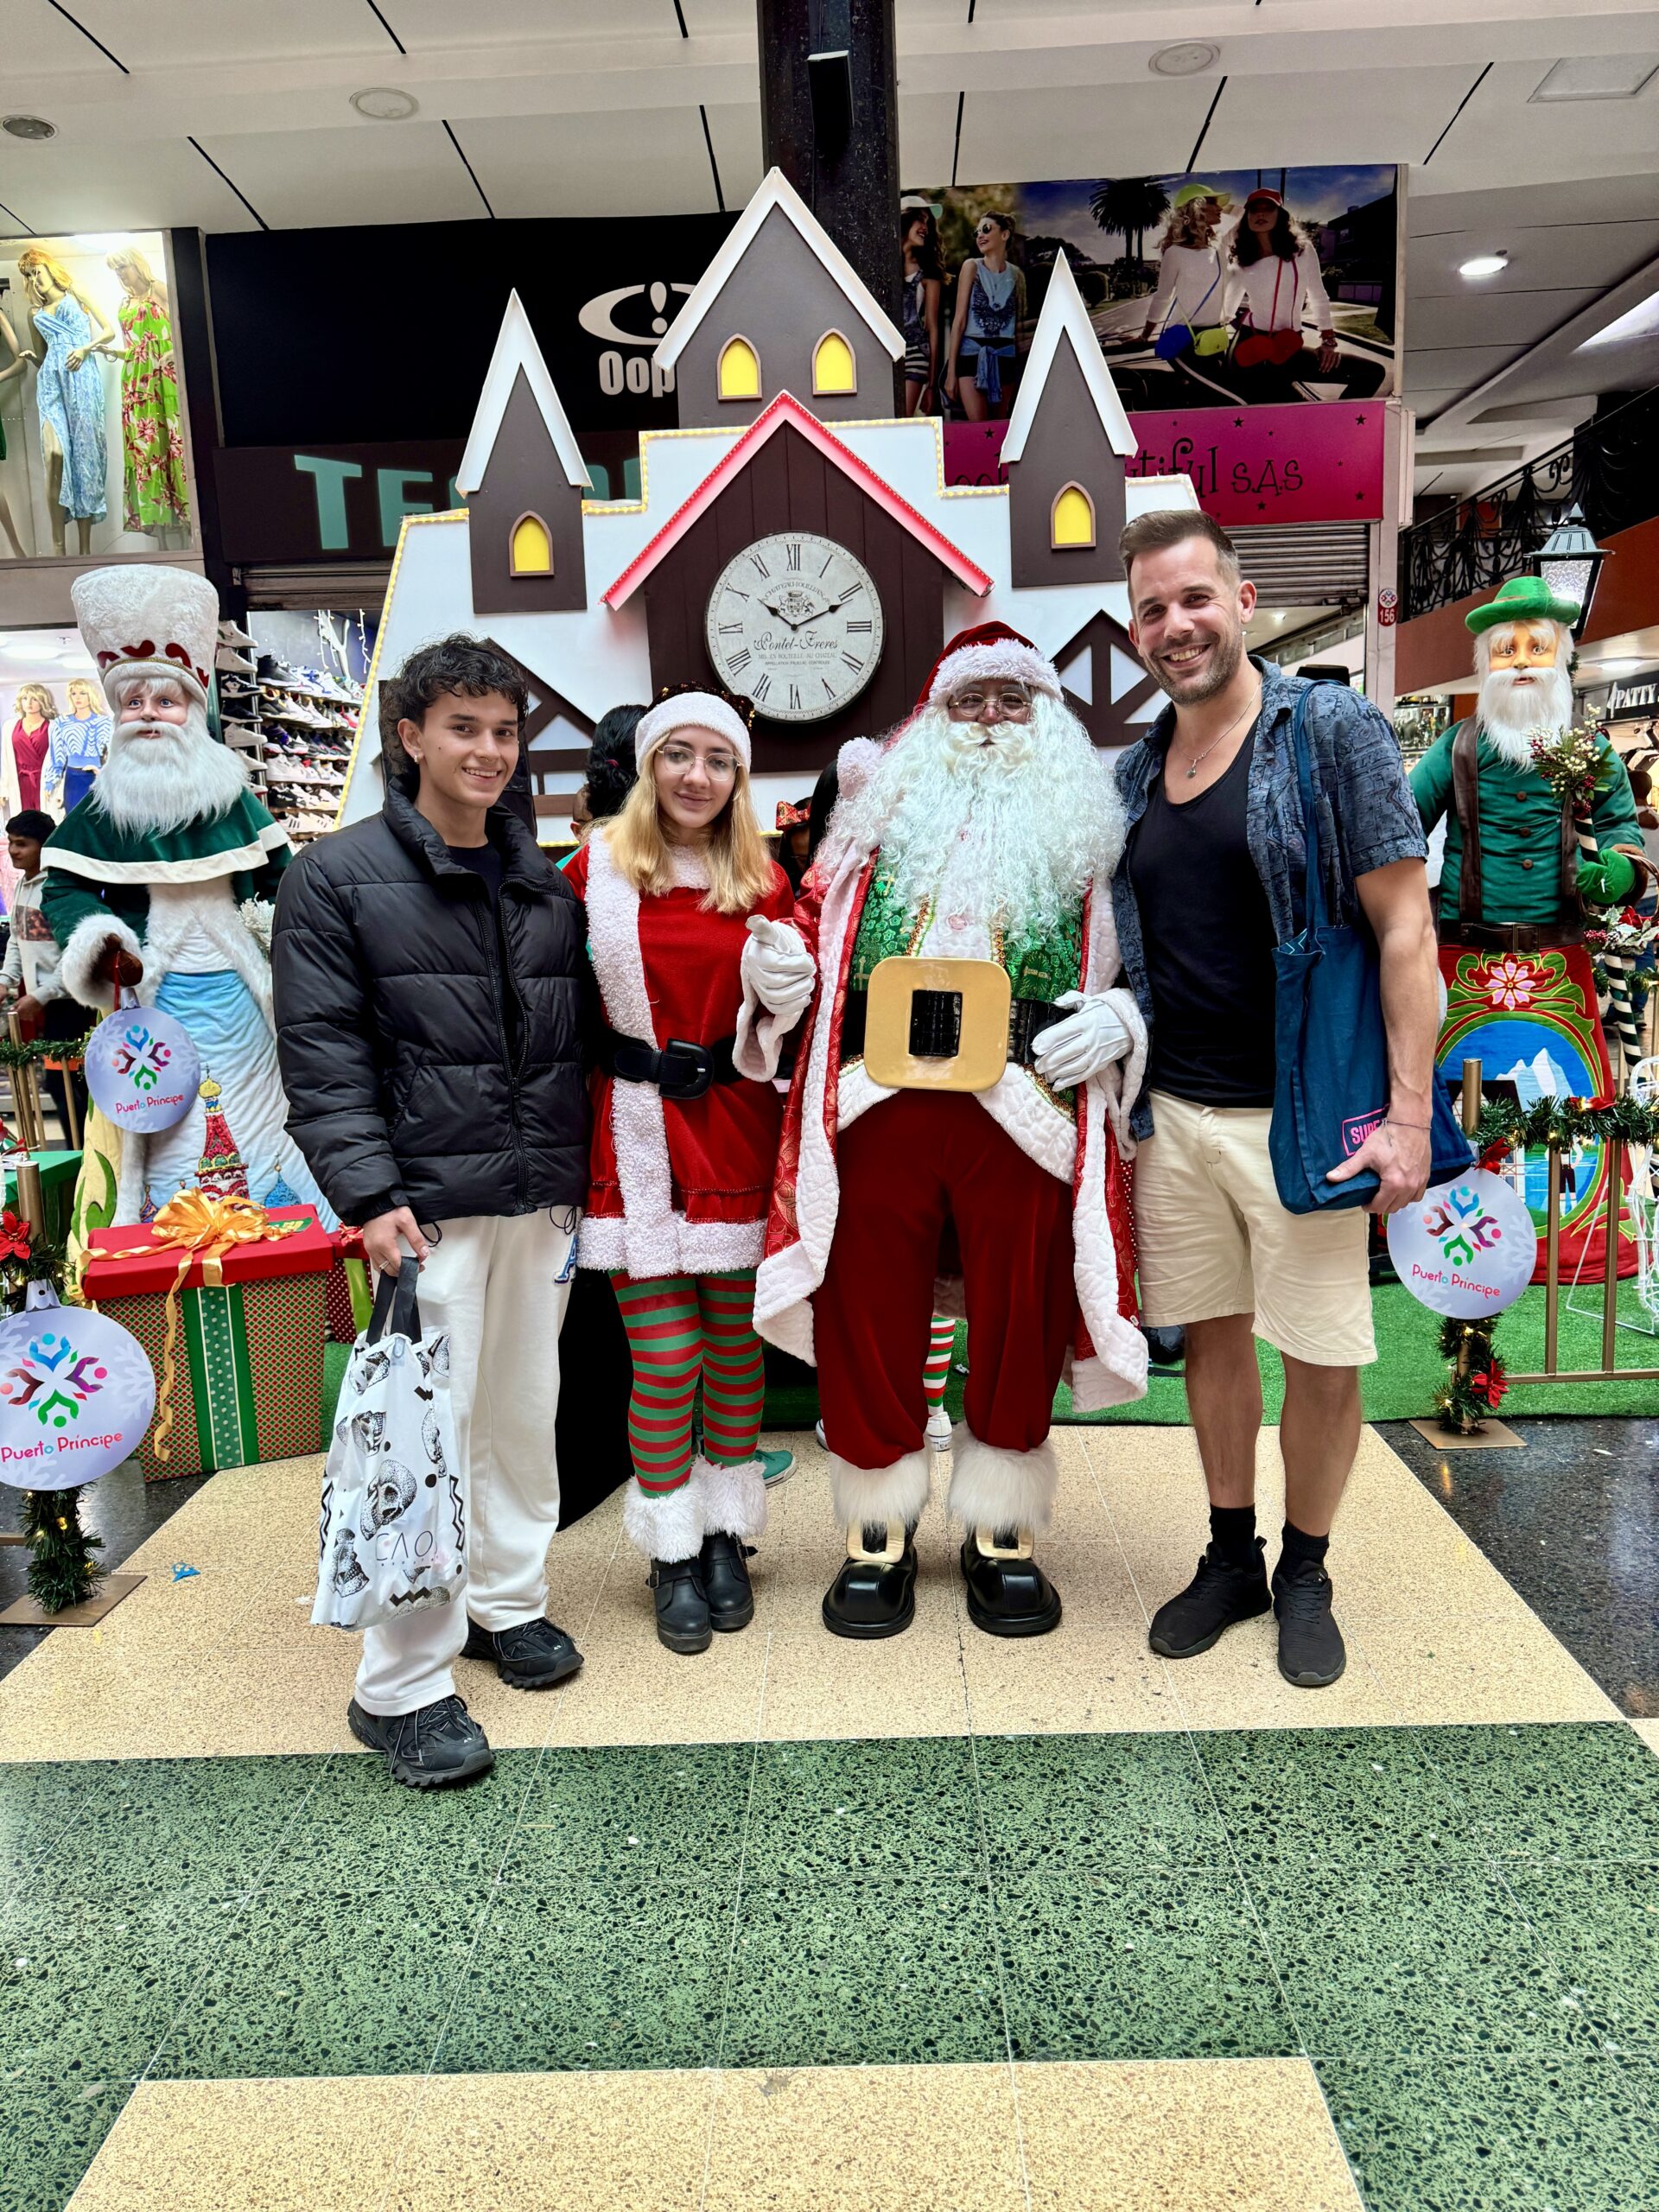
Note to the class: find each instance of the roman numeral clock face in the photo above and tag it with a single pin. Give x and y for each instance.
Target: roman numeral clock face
(794, 624)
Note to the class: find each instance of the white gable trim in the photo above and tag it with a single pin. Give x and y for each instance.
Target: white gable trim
(1065, 316)
(776, 191)
(515, 349)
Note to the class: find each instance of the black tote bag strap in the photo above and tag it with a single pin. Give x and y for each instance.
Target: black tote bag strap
(395, 1300)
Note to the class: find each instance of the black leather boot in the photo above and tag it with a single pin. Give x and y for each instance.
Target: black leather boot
(724, 1566)
(875, 1594)
(1009, 1594)
(682, 1621)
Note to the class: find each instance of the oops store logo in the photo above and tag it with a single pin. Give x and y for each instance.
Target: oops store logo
(634, 316)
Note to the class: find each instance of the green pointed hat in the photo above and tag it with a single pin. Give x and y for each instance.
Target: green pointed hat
(1523, 598)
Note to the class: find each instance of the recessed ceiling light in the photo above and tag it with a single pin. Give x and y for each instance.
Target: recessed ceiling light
(1185, 60)
(382, 103)
(1597, 77)
(28, 126)
(1484, 264)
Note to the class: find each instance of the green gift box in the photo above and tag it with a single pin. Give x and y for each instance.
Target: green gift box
(59, 1172)
(247, 1351)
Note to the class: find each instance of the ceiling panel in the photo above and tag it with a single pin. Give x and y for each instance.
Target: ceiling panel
(143, 185)
(1569, 257)
(38, 42)
(632, 162)
(1338, 117)
(1092, 130)
(424, 24)
(374, 173)
(1510, 318)
(736, 134)
(927, 138)
(1578, 203)
(155, 33)
(1500, 133)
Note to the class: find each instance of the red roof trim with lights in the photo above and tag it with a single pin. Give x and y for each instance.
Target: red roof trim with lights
(787, 409)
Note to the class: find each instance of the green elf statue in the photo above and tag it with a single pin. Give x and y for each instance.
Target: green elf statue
(1540, 821)
(161, 879)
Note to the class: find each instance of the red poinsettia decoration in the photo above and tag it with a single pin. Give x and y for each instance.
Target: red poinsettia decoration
(1491, 1387)
(14, 1237)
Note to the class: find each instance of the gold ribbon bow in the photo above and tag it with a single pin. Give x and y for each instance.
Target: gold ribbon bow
(196, 1223)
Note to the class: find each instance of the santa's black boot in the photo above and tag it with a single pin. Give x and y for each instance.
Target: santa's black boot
(1002, 1495)
(875, 1593)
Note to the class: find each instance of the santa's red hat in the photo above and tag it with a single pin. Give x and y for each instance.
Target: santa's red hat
(987, 654)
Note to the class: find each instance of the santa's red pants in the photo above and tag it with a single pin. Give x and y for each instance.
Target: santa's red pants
(909, 1166)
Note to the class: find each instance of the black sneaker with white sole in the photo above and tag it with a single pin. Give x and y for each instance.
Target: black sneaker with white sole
(1220, 1593)
(432, 1749)
(1310, 1650)
(530, 1655)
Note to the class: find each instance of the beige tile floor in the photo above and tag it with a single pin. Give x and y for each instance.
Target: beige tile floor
(226, 1662)
(1205, 2135)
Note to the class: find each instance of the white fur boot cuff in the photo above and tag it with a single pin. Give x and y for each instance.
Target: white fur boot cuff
(667, 1526)
(867, 1494)
(733, 1498)
(991, 1488)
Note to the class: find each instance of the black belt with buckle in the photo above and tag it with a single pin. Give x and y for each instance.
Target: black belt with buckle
(680, 1069)
(936, 1025)
(1511, 937)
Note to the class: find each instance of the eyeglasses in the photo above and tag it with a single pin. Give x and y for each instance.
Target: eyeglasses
(1012, 705)
(721, 766)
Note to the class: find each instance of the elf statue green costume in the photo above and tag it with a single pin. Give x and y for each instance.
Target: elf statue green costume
(162, 878)
(1523, 855)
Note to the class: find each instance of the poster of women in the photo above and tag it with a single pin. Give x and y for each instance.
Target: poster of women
(1257, 287)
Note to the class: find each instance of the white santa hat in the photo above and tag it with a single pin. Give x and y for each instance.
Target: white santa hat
(690, 710)
(142, 620)
(990, 654)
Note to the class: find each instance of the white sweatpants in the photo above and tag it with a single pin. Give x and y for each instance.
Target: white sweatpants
(493, 1282)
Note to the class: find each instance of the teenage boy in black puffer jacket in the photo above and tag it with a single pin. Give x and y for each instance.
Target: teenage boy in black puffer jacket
(430, 983)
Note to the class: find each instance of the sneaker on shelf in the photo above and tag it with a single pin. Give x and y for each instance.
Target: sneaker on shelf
(229, 635)
(233, 663)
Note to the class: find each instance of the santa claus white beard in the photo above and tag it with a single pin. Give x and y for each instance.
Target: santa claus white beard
(1512, 714)
(1011, 832)
(161, 775)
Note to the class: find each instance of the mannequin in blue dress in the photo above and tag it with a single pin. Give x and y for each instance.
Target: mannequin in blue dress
(69, 392)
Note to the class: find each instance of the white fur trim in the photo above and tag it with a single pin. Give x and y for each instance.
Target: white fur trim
(667, 1525)
(863, 1495)
(119, 609)
(981, 664)
(83, 953)
(704, 1248)
(212, 910)
(235, 859)
(1117, 1372)
(651, 1244)
(691, 710)
(993, 1489)
(733, 1498)
(855, 764)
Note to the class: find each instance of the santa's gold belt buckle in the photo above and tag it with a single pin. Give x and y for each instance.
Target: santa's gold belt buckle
(937, 1025)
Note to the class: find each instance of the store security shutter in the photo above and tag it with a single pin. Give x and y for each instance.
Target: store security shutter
(1307, 564)
(338, 587)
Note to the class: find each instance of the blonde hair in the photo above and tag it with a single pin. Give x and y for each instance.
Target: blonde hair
(128, 256)
(739, 867)
(1185, 225)
(95, 698)
(42, 698)
(36, 257)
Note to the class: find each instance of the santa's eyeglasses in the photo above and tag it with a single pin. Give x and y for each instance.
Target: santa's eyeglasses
(976, 704)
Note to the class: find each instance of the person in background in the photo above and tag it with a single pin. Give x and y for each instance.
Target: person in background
(1191, 272)
(919, 235)
(794, 824)
(29, 980)
(985, 329)
(1274, 276)
(430, 988)
(683, 1147)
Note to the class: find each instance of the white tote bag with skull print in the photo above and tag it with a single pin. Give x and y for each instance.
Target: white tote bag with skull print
(393, 1532)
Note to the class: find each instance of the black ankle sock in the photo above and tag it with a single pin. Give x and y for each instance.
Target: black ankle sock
(1232, 1531)
(1295, 1548)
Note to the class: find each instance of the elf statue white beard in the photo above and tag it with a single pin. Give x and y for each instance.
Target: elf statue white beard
(160, 776)
(1518, 705)
(1008, 823)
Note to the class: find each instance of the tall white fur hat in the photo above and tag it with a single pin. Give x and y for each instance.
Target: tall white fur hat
(148, 621)
(690, 710)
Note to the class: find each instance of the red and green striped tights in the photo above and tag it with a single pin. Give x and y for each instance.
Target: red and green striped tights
(683, 1330)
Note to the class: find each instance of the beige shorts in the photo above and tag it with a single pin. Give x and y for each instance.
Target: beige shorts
(1214, 1239)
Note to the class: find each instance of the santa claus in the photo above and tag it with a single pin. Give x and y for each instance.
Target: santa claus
(160, 880)
(953, 1124)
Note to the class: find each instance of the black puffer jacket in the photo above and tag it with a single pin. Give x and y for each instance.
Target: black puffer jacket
(430, 1049)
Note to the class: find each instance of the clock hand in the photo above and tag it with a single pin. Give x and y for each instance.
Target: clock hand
(773, 607)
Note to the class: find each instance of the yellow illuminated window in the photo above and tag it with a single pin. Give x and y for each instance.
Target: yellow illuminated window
(832, 364)
(533, 548)
(739, 370)
(1073, 519)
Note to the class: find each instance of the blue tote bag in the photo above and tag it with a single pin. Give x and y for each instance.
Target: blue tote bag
(1331, 1049)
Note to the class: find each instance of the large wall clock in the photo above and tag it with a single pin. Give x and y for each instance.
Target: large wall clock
(794, 623)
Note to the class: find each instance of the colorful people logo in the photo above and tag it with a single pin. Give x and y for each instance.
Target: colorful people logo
(143, 1056)
(52, 1365)
(1448, 1222)
(1467, 1247)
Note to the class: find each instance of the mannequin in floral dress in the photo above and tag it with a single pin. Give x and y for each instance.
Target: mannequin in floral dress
(156, 498)
(69, 392)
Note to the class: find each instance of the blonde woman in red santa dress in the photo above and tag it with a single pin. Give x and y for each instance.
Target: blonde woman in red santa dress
(683, 1147)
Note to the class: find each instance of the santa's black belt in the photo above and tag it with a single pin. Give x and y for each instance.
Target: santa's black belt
(936, 1025)
(1511, 937)
(680, 1069)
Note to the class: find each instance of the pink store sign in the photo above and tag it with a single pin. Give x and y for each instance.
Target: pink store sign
(1257, 466)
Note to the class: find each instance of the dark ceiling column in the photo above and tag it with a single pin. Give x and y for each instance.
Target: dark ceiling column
(833, 128)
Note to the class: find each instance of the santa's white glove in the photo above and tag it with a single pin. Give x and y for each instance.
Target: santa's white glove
(1080, 1047)
(779, 968)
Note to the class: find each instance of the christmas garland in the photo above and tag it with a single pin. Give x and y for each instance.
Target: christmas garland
(42, 1048)
(61, 1569)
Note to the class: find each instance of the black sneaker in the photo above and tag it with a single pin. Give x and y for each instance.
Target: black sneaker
(431, 1749)
(1311, 1651)
(1220, 1593)
(530, 1655)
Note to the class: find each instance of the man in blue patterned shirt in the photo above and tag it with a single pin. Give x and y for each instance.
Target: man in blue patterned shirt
(1210, 883)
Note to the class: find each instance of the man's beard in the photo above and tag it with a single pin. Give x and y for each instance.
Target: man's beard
(1512, 714)
(151, 785)
(1227, 653)
(1010, 833)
